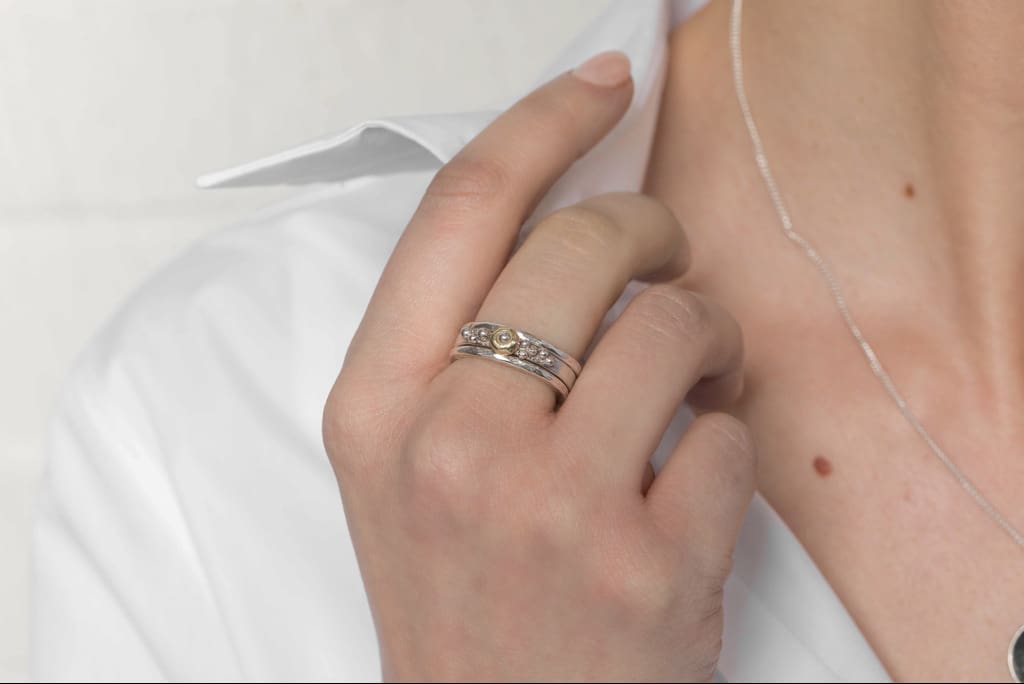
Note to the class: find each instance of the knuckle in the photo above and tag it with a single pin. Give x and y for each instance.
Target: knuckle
(349, 424)
(557, 111)
(733, 439)
(585, 232)
(438, 452)
(660, 233)
(674, 312)
(337, 423)
(468, 182)
(651, 590)
(550, 523)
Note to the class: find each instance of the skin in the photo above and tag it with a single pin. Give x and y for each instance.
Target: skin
(499, 539)
(906, 173)
(523, 543)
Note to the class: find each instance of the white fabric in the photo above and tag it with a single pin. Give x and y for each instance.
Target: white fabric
(189, 526)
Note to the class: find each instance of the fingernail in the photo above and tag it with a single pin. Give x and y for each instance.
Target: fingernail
(607, 70)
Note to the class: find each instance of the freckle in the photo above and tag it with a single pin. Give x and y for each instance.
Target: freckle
(822, 466)
(909, 191)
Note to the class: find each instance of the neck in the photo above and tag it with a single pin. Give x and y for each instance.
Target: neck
(856, 103)
(916, 109)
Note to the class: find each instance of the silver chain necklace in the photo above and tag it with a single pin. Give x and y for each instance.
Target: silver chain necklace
(1016, 652)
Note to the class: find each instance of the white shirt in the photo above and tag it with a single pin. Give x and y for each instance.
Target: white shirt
(189, 525)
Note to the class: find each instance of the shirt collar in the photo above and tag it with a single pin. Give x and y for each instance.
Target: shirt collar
(414, 143)
(807, 635)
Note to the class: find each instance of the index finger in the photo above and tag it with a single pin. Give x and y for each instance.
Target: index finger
(467, 223)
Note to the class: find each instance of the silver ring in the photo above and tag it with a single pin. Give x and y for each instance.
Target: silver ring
(519, 350)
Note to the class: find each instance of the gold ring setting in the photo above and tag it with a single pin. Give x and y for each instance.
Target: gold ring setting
(521, 351)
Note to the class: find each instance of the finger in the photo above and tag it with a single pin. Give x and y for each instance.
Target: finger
(574, 265)
(665, 341)
(467, 223)
(701, 495)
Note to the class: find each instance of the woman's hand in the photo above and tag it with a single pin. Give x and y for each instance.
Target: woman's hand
(500, 538)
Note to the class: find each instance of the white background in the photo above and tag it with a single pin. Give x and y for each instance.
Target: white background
(109, 108)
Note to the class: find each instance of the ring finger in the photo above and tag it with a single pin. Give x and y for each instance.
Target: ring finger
(570, 270)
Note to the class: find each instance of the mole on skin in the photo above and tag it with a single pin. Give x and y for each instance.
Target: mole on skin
(908, 190)
(822, 466)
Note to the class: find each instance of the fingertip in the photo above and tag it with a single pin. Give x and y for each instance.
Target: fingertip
(606, 70)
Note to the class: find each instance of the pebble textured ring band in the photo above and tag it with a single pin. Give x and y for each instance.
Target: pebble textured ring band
(521, 351)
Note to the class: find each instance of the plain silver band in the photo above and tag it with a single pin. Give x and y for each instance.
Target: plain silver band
(527, 338)
(556, 367)
(466, 350)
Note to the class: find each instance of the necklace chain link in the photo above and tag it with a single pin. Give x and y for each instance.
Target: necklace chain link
(735, 36)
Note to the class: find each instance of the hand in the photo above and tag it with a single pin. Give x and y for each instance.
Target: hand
(500, 537)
